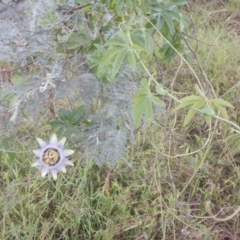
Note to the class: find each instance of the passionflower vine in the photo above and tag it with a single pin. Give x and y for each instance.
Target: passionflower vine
(52, 156)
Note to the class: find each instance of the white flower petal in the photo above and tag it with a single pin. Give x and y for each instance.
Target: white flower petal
(45, 171)
(63, 169)
(62, 142)
(67, 162)
(67, 152)
(53, 139)
(35, 164)
(41, 142)
(54, 174)
(37, 152)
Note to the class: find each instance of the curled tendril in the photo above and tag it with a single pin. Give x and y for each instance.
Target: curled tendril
(208, 209)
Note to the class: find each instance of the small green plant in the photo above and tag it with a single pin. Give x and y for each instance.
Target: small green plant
(69, 121)
(200, 104)
(143, 103)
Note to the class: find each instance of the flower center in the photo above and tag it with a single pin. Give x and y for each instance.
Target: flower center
(51, 156)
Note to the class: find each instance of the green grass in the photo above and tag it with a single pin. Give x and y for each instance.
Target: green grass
(160, 191)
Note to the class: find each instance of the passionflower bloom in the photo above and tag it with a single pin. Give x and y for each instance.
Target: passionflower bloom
(52, 156)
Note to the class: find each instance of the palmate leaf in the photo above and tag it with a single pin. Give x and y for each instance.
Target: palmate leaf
(108, 58)
(76, 115)
(191, 113)
(187, 101)
(119, 7)
(160, 22)
(199, 92)
(156, 101)
(63, 114)
(132, 60)
(222, 110)
(148, 111)
(169, 22)
(114, 57)
(144, 99)
(115, 42)
(149, 44)
(135, 47)
(222, 102)
(124, 37)
(198, 101)
(95, 57)
(176, 3)
(139, 107)
(118, 62)
(57, 124)
(144, 83)
(175, 14)
(219, 103)
(166, 14)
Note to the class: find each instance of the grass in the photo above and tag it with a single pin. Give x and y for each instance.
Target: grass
(162, 192)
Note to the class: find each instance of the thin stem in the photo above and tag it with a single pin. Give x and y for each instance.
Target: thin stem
(190, 67)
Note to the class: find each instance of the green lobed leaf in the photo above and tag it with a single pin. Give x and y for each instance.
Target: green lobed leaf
(149, 44)
(57, 124)
(188, 101)
(175, 14)
(157, 101)
(136, 47)
(131, 60)
(108, 58)
(222, 110)
(63, 114)
(119, 7)
(170, 23)
(76, 115)
(124, 37)
(142, 92)
(180, 2)
(100, 48)
(192, 98)
(140, 97)
(118, 62)
(191, 113)
(221, 102)
(139, 106)
(148, 111)
(130, 4)
(199, 91)
(71, 129)
(94, 60)
(144, 83)
(114, 42)
(160, 22)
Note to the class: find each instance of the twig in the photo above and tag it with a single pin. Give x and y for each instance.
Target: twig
(159, 68)
(217, 11)
(14, 69)
(71, 10)
(205, 78)
(196, 39)
(208, 209)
